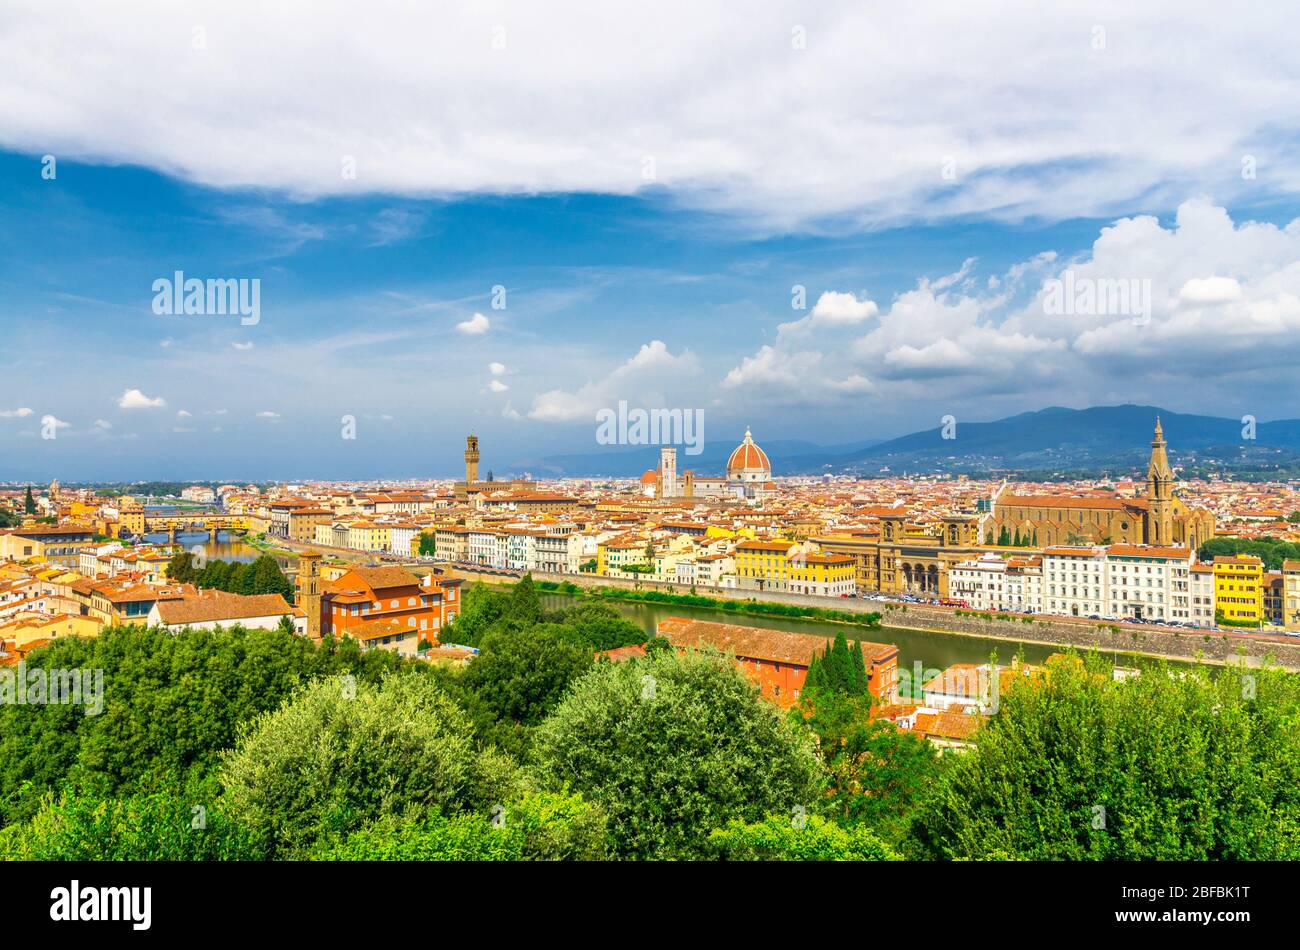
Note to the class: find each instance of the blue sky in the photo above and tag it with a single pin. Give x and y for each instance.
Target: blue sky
(661, 275)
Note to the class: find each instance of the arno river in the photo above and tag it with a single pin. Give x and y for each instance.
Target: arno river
(934, 651)
(227, 547)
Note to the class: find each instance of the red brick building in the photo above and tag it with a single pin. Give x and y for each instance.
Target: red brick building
(389, 606)
(777, 660)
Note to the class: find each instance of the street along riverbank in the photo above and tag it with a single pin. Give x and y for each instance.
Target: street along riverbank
(936, 633)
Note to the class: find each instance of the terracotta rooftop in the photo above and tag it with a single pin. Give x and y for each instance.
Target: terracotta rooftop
(214, 605)
(759, 643)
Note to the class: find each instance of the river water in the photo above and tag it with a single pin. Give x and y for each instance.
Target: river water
(227, 547)
(934, 652)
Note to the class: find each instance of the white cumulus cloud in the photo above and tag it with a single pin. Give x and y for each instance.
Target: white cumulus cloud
(475, 325)
(643, 381)
(855, 118)
(134, 399)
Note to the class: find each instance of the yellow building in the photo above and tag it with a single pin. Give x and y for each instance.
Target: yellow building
(763, 565)
(131, 516)
(1239, 590)
(825, 575)
(787, 566)
(619, 554)
(368, 536)
(30, 627)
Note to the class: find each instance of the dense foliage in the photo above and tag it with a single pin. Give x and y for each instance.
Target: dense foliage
(343, 754)
(1272, 551)
(1172, 765)
(674, 746)
(262, 576)
(171, 703)
(536, 827)
(487, 610)
(797, 838)
(164, 825)
(246, 745)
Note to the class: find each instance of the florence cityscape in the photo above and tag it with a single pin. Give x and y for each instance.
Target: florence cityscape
(498, 433)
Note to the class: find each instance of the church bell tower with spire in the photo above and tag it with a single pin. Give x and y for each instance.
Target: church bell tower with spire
(1160, 492)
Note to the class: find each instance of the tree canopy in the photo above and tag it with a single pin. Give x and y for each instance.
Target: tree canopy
(672, 747)
(1176, 764)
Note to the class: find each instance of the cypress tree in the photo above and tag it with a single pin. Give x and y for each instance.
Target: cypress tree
(841, 665)
(29, 503)
(813, 678)
(860, 679)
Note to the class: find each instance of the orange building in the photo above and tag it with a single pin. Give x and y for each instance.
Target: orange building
(777, 660)
(407, 609)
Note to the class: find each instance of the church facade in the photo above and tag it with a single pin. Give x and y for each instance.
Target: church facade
(1157, 517)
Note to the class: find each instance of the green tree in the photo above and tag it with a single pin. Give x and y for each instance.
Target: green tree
(181, 568)
(672, 747)
(875, 773)
(481, 610)
(171, 703)
(838, 669)
(598, 626)
(524, 608)
(519, 676)
(539, 826)
(29, 503)
(1270, 550)
(428, 545)
(796, 838)
(268, 578)
(341, 754)
(1166, 766)
(162, 825)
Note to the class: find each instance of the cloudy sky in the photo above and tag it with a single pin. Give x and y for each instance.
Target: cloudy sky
(829, 221)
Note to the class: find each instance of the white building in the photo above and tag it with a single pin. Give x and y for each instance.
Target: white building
(1127, 582)
(401, 535)
(216, 609)
(1148, 582)
(1025, 586)
(668, 473)
(710, 569)
(521, 544)
(981, 582)
(557, 553)
(685, 572)
(1201, 591)
(992, 583)
(1074, 581)
(486, 546)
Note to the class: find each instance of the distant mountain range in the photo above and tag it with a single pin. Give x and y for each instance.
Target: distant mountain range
(1046, 443)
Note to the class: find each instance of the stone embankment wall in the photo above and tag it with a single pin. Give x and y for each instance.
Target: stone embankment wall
(1184, 644)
